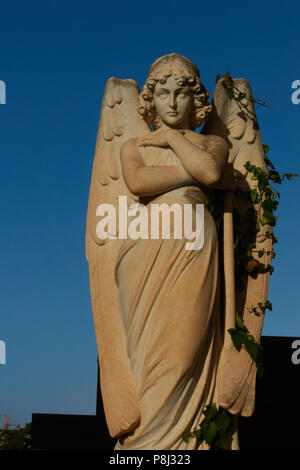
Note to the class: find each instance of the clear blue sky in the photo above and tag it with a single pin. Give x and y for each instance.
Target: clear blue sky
(56, 57)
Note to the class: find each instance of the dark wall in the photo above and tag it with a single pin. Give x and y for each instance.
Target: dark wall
(274, 425)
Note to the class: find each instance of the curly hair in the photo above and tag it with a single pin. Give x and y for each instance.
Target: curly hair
(185, 73)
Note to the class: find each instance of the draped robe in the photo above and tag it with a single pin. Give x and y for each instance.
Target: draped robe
(169, 301)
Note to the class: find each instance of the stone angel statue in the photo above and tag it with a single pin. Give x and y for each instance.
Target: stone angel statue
(162, 312)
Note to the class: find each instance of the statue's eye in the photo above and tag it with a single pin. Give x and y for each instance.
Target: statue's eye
(163, 94)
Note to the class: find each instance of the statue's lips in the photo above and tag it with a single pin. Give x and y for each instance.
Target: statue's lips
(172, 113)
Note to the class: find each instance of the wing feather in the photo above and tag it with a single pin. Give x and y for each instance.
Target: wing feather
(237, 124)
(118, 388)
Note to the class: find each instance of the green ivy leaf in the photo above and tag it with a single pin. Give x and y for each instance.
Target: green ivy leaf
(275, 176)
(211, 432)
(290, 176)
(252, 350)
(186, 435)
(222, 443)
(266, 148)
(241, 337)
(268, 205)
(198, 433)
(267, 218)
(213, 429)
(260, 369)
(223, 420)
(210, 411)
(236, 339)
(240, 324)
(255, 197)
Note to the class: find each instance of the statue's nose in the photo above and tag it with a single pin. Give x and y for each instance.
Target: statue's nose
(172, 103)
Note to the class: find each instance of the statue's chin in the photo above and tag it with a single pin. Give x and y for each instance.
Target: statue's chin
(173, 123)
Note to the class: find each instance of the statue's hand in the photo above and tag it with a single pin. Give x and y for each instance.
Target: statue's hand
(160, 138)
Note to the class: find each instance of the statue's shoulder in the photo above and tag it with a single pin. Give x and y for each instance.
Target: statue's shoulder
(206, 140)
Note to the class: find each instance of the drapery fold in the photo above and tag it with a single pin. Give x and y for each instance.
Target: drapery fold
(169, 301)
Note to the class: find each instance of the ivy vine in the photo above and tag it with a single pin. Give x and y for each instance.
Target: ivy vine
(233, 92)
(242, 338)
(214, 429)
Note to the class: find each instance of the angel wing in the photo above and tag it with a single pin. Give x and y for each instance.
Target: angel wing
(235, 121)
(119, 121)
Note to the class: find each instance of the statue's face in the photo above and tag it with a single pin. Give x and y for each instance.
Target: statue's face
(173, 103)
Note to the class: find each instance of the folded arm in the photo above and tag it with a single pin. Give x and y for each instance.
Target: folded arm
(204, 157)
(143, 180)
